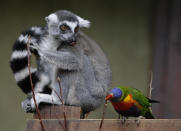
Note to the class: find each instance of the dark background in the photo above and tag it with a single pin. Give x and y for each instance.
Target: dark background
(128, 31)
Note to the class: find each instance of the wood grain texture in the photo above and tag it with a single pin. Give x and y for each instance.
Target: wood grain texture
(167, 60)
(108, 125)
(56, 112)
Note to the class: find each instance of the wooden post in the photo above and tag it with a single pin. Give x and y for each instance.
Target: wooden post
(56, 112)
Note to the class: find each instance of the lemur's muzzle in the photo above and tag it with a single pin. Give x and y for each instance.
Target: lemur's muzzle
(69, 43)
(72, 42)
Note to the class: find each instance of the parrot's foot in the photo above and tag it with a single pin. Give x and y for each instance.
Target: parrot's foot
(137, 120)
(123, 119)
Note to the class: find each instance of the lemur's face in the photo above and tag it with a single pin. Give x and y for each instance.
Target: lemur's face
(68, 31)
(64, 26)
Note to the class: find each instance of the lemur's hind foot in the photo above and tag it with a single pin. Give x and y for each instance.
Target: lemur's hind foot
(26, 105)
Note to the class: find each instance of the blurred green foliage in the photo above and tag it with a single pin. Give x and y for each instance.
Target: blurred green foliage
(122, 28)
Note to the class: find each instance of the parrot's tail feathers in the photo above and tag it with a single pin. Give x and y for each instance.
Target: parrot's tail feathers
(149, 115)
(153, 101)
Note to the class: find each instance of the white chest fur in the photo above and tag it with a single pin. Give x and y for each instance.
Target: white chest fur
(49, 43)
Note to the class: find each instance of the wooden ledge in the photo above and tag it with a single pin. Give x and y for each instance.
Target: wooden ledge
(108, 125)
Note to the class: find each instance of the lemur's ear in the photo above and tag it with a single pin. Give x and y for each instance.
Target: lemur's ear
(52, 18)
(52, 24)
(83, 22)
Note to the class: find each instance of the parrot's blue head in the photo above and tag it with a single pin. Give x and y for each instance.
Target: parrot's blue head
(114, 94)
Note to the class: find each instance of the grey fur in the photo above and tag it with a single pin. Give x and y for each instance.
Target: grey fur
(83, 69)
(66, 15)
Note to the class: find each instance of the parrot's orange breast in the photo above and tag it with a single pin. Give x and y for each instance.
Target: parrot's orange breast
(125, 104)
(122, 106)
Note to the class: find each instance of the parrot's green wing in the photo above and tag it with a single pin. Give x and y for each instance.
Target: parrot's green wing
(137, 95)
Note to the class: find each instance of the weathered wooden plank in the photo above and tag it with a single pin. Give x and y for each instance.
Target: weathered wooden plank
(108, 125)
(56, 112)
(167, 60)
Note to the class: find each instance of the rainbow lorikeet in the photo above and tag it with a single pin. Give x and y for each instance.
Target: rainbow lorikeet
(130, 102)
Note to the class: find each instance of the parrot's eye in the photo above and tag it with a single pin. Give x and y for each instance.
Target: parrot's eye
(64, 27)
(76, 29)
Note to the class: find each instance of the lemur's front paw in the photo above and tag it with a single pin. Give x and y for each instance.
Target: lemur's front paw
(27, 106)
(34, 46)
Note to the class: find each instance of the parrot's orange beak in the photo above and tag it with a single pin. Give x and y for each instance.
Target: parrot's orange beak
(109, 96)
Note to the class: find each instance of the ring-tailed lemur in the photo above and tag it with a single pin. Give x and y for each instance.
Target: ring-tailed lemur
(61, 50)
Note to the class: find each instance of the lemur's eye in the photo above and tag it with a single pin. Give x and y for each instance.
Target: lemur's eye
(76, 29)
(63, 27)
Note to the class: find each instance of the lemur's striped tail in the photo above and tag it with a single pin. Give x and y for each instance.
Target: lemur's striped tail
(19, 62)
